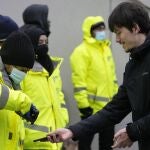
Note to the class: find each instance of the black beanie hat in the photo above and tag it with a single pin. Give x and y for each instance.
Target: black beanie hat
(17, 50)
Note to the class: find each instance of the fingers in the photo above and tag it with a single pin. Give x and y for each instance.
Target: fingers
(120, 142)
(54, 138)
(116, 144)
(116, 137)
(120, 132)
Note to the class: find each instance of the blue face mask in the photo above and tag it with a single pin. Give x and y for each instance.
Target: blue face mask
(17, 76)
(100, 35)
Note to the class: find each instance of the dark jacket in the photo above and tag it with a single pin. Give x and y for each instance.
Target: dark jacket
(133, 96)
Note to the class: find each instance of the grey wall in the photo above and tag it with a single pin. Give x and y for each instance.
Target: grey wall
(66, 17)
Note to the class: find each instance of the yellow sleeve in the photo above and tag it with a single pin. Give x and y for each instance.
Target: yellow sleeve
(14, 100)
(79, 75)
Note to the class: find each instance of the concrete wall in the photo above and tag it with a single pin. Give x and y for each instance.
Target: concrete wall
(66, 17)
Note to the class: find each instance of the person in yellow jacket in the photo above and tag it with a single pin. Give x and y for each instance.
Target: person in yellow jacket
(13, 66)
(43, 85)
(93, 76)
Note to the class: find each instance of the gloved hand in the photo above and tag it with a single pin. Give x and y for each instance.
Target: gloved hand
(86, 112)
(31, 115)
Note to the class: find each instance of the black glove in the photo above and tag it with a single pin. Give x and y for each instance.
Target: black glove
(86, 112)
(31, 115)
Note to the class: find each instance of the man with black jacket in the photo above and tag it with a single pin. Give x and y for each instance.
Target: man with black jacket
(131, 24)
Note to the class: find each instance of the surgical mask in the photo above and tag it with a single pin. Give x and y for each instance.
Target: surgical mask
(17, 76)
(100, 35)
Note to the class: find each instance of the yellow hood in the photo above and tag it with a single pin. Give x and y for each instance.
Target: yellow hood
(87, 24)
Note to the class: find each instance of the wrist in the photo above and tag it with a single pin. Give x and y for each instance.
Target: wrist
(133, 131)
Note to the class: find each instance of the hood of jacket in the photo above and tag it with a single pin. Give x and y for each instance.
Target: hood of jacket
(37, 14)
(34, 34)
(86, 27)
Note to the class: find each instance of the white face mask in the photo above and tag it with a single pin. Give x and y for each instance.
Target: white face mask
(17, 76)
(100, 35)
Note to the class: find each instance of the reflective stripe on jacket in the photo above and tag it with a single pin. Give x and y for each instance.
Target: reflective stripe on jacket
(45, 92)
(93, 70)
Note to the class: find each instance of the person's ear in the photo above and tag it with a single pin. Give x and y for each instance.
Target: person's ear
(136, 28)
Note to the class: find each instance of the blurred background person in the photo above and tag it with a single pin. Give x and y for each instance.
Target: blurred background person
(94, 77)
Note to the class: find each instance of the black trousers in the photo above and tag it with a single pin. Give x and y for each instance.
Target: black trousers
(105, 140)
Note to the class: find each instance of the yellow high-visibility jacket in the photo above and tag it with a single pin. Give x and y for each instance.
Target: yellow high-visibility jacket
(46, 93)
(11, 125)
(93, 70)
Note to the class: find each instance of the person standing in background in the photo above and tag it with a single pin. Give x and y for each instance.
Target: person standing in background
(38, 30)
(94, 77)
(42, 85)
(13, 66)
(39, 19)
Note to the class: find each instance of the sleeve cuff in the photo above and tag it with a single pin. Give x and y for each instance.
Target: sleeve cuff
(133, 131)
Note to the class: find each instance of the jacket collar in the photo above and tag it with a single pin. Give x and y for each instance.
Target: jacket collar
(37, 67)
(142, 50)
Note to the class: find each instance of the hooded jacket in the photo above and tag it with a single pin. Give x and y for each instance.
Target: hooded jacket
(133, 95)
(46, 94)
(94, 77)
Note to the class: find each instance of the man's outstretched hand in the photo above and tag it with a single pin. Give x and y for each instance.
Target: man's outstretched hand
(60, 135)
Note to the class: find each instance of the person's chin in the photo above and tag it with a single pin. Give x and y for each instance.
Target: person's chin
(125, 49)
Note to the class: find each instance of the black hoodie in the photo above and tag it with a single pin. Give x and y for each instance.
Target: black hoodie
(37, 15)
(34, 34)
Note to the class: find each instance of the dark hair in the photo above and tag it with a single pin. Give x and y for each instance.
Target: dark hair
(127, 14)
(95, 26)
